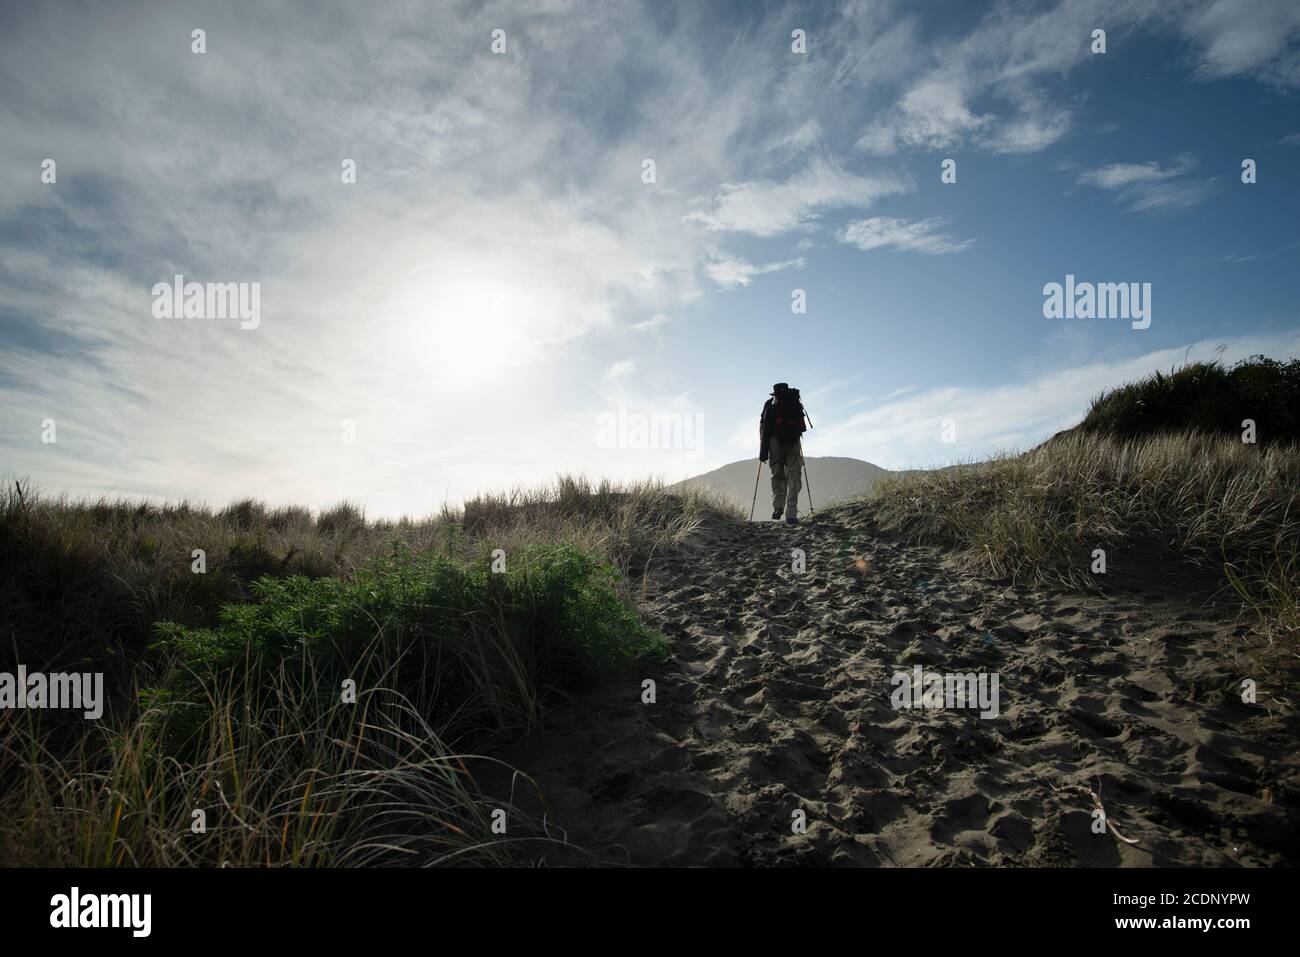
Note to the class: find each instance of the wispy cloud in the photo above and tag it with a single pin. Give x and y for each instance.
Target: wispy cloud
(1011, 415)
(730, 272)
(1151, 186)
(833, 385)
(932, 116)
(620, 370)
(1007, 65)
(891, 395)
(769, 208)
(885, 232)
(653, 324)
(1259, 256)
(1010, 62)
(1250, 37)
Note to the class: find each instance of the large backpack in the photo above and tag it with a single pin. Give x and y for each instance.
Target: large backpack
(787, 414)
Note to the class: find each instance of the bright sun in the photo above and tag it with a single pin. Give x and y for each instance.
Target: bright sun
(464, 322)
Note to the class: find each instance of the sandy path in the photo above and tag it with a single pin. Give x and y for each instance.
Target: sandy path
(778, 698)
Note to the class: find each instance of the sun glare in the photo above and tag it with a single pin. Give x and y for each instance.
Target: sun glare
(465, 322)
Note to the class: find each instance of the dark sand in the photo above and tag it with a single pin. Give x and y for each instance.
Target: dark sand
(777, 698)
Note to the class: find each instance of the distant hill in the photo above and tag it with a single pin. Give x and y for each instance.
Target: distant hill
(832, 478)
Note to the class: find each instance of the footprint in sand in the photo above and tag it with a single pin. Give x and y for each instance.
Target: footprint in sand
(777, 697)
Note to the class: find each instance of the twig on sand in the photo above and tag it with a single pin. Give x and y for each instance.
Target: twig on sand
(1096, 803)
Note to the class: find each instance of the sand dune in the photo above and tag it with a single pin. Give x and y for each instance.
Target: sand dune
(777, 699)
(833, 479)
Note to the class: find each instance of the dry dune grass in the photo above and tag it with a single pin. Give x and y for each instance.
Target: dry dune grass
(288, 774)
(82, 577)
(1214, 502)
(444, 655)
(630, 524)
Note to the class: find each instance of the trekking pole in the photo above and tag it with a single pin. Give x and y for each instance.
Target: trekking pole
(757, 476)
(806, 484)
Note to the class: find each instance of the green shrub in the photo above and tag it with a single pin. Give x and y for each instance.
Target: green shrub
(1204, 397)
(486, 640)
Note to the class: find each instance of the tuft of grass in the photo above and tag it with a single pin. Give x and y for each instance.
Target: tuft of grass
(345, 518)
(1213, 502)
(630, 524)
(279, 778)
(1204, 397)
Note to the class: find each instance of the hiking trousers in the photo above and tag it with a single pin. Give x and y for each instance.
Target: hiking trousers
(785, 459)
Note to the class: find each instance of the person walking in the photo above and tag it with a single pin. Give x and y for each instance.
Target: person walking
(779, 430)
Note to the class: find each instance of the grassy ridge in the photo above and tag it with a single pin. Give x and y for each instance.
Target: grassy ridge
(230, 684)
(1207, 398)
(1116, 482)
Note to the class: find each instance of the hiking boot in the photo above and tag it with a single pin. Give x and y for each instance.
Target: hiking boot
(776, 515)
(792, 520)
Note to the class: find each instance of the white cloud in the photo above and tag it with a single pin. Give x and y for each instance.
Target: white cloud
(769, 208)
(936, 116)
(885, 232)
(803, 138)
(1252, 37)
(1120, 175)
(1034, 128)
(1013, 415)
(1149, 186)
(620, 370)
(1258, 256)
(653, 324)
(892, 395)
(932, 116)
(730, 272)
(1008, 63)
(832, 386)
(1169, 196)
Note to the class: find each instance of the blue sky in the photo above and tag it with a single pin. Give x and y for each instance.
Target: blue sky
(500, 280)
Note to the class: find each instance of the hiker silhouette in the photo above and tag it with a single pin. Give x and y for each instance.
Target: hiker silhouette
(780, 428)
